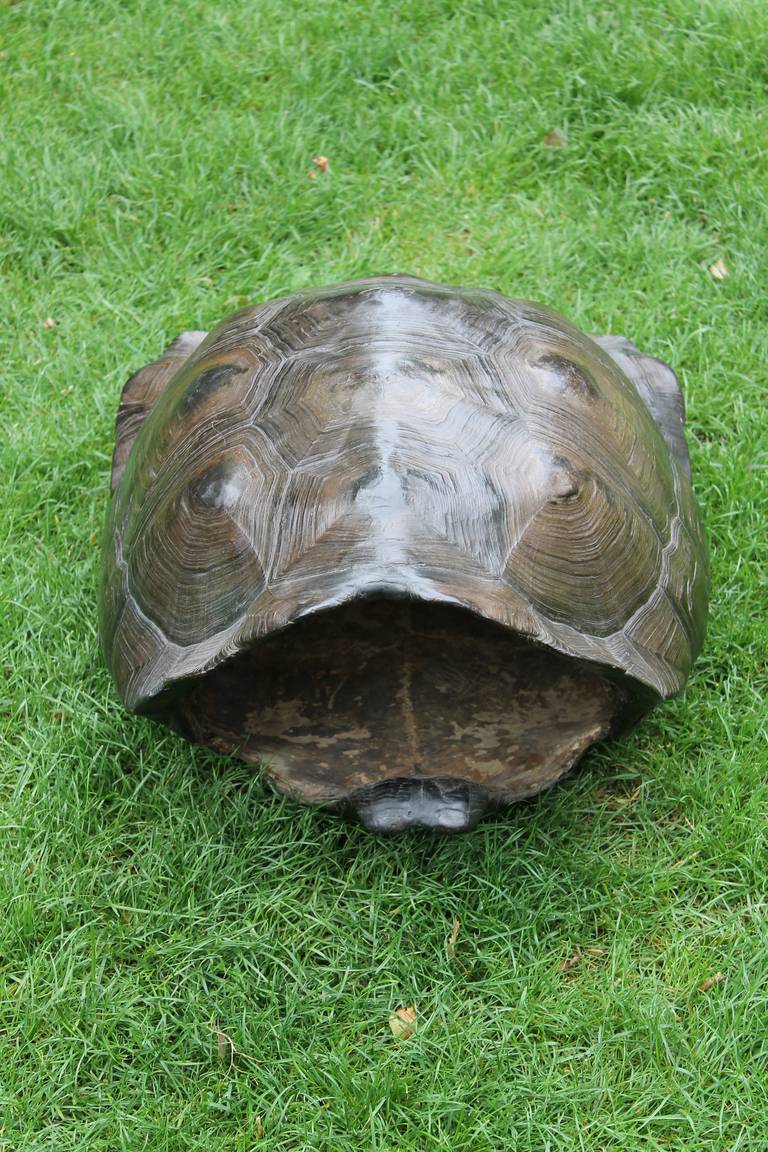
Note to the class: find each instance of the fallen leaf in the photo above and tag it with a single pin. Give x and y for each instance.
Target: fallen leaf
(556, 138)
(311, 175)
(711, 981)
(595, 951)
(450, 946)
(259, 1128)
(225, 1048)
(403, 1023)
(571, 962)
(49, 323)
(320, 162)
(719, 270)
(58, 715)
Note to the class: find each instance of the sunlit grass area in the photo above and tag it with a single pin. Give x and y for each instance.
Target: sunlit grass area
(187, 961)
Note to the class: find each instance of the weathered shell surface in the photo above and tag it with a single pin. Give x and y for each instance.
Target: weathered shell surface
(396, 438)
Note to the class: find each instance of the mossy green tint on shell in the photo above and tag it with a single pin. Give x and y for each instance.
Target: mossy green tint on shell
(414, 548)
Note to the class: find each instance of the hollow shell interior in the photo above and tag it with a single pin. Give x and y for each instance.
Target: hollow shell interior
(380, 690)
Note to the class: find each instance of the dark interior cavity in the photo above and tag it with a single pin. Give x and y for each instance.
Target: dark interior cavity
(390, 690)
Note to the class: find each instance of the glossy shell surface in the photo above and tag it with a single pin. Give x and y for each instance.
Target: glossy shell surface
(392, 438)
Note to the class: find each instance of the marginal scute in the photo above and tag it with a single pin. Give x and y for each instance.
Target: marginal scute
(659, 389)
(141, 393)
(657, 626)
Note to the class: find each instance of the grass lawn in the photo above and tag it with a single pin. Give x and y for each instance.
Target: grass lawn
(608, 986)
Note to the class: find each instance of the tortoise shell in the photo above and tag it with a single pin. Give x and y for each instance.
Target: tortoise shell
(413, 548)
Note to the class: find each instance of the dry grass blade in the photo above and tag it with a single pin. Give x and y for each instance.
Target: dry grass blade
(450, 945)
(225, 1048)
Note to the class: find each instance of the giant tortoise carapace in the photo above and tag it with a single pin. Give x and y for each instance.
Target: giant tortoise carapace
(413, 548)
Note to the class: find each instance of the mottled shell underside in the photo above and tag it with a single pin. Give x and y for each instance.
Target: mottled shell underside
(397, 441)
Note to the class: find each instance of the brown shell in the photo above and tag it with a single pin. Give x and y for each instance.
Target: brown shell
(479, 473)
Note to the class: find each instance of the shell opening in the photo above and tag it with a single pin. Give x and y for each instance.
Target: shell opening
(380, 690)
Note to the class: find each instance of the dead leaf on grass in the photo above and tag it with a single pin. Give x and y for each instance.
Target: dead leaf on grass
(571, 962)
(719, 270)
(402, 1022)
(49, 323)
(320, 162)
(710, 982)
(555, 138)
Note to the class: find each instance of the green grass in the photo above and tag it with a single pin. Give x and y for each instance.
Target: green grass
(154, 176)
